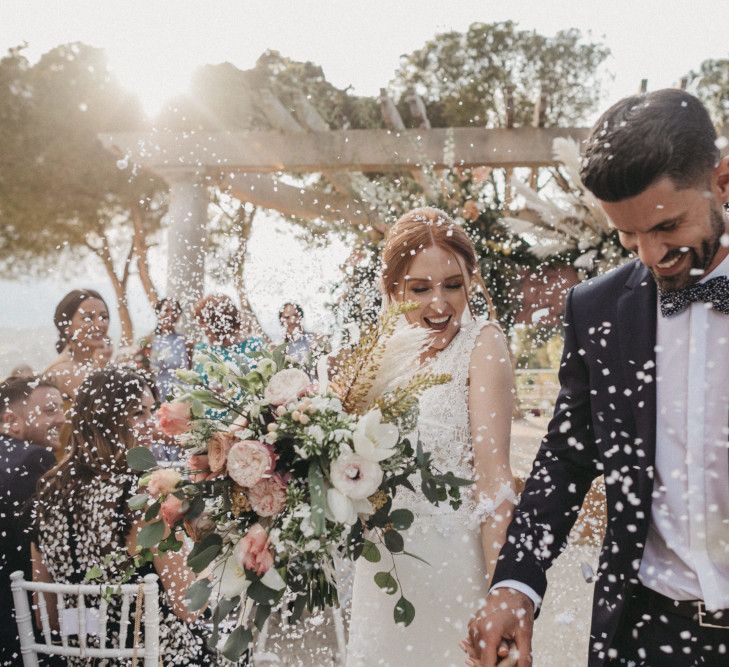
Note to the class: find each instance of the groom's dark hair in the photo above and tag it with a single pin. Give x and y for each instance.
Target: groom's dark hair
(643, 138)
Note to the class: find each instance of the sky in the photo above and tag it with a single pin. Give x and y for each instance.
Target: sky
(153, 48)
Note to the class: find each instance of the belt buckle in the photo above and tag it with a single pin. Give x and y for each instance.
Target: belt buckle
(703, 624)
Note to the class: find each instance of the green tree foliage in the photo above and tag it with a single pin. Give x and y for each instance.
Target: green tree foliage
(59, 188)
(711, 84)
(464, 78)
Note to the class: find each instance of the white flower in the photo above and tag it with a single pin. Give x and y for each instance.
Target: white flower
(346, 510)
(355, 476)
(373, 439)
(286, 386)
(266, 367)
(316, 432)
(231, 576)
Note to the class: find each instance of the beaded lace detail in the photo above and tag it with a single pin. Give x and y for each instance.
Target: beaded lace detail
(444, 430)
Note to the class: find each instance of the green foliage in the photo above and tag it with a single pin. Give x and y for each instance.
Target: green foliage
(404, 612)
(151, 534)
(386, 582)
(464, 77)
(59, 187)
(711, 85)
(141, 460)
(370, 552)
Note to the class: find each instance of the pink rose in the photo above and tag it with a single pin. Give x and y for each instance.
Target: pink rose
(250, 461)
(174, 418)
(163, 481)
(268, 497)
(470, 210)
(199, 527)
(199, 468)
(218, 447)
(286, 386)
(173, 510)
(253, 552)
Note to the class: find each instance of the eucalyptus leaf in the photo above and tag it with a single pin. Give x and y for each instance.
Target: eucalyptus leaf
(151, 534)
(201, 560)
(404, 612)
(262, 594)
(140, 459)
(394, 541)
(138, 502)
(402, 519)
(198, 594)
(153, 510)
(237, 643)
(370, 552)
(387, 582)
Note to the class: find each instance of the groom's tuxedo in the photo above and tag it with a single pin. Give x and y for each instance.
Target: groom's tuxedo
(604, 423)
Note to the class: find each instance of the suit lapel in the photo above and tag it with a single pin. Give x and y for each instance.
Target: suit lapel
(637, 336)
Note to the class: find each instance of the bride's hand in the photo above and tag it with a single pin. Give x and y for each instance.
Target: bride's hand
(506, 619)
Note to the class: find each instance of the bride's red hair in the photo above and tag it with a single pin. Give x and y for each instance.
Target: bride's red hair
(422, 228)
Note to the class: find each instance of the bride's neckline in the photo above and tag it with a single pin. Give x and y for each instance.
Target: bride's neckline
(430, 360)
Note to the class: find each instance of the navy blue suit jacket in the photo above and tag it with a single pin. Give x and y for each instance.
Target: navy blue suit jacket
(603, 423)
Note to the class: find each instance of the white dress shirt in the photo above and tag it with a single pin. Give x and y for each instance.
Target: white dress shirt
(686, 555)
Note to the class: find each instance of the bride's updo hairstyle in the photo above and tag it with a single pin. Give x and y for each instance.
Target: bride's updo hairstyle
(102, 433)
(423, 228)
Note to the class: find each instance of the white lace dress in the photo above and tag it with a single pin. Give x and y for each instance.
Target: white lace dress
(447, 591)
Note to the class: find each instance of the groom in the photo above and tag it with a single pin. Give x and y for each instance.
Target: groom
(644, 400)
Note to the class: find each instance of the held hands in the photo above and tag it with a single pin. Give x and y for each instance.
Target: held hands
(500, 635)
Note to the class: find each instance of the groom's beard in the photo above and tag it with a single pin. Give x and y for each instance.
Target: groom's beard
(699, 259)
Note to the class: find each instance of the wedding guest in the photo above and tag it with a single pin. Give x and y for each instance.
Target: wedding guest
(82, 517)
(644, 400)
(31, 417)
(169, 349)
(304, 347)
(220, 320)
(21, 371)
(82, 321)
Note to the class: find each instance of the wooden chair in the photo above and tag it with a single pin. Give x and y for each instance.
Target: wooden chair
(83, 621)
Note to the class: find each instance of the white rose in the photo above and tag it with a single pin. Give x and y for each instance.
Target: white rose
(286, 386)
(230, 576)
(355, 476)
(373, 439)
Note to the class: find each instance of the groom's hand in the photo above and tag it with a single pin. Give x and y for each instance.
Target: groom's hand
(506, 620)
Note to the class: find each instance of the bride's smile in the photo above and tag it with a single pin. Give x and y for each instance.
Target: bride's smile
(438, 282)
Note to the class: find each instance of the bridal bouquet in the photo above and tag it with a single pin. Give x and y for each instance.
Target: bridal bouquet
(283, 477)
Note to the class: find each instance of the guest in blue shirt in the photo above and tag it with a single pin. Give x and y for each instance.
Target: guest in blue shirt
(169, 349)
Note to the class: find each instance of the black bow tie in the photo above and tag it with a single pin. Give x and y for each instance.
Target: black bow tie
(714, 292)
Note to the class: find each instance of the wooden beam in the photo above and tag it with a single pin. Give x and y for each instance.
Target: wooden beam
(306, 203)
(276, 113)
(340, 150)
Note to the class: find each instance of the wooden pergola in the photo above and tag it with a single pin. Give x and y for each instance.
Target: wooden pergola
(247, 163)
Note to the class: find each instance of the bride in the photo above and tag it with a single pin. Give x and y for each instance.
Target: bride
(466, 424)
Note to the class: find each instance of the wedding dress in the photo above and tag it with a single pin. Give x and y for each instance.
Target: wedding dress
(447, 591)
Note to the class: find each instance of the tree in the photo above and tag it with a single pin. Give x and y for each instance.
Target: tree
(492, 76)
(710, 82)
(59, 187)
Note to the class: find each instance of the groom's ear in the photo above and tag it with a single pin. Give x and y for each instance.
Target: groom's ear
(721, 179)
